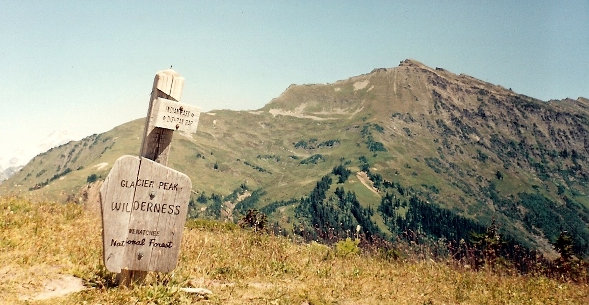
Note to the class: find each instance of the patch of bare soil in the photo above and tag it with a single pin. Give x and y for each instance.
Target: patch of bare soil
(227, 211)
(57, 287)
(276, 112)
(363, 177)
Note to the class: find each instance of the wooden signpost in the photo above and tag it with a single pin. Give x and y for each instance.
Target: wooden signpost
(144, 202)
(144, 208)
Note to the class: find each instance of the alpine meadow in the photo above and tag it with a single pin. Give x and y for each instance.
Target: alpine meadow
(339, 193)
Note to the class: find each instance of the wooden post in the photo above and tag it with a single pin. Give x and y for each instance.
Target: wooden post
(156, 142)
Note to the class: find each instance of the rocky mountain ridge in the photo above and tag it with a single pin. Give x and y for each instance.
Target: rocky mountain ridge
(419, 142)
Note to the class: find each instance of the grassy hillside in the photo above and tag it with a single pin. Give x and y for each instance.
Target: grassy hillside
(40, 243)
(417, 141)
(59, 173)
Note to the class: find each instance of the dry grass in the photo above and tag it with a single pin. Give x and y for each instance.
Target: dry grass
(38, 242)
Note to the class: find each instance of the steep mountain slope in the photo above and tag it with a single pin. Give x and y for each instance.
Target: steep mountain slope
(427, 151)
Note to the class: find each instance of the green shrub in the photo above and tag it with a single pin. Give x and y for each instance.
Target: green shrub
(92, 178)
(347, 247)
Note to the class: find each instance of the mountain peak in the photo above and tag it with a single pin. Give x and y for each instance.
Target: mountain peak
(411, 62)
(404, 63)
(406, 88)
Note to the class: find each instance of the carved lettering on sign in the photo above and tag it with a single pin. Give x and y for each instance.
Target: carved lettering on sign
(144, 207)
(175, 115)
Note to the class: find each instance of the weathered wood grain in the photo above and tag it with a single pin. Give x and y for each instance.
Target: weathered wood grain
(156, 140)
(144, 211)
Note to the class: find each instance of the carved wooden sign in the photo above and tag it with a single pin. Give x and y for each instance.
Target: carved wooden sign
(144, 207)
(175, 115)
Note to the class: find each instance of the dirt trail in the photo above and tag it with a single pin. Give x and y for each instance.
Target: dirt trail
(363, 177)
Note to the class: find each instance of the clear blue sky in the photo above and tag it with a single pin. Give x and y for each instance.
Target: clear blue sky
(83, 67)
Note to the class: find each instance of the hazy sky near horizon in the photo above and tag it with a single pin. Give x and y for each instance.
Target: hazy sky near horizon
(73, 68)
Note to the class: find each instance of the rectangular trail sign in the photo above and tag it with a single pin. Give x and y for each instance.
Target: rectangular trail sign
(175, 115)
(144, 207)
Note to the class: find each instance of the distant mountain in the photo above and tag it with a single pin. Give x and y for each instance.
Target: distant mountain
(21, 153)
(8, 172)
(405, 151)
(3, 176)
